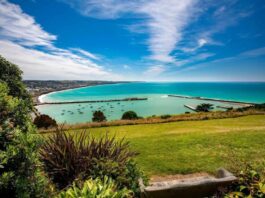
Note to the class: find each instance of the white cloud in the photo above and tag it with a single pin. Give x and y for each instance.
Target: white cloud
(196, 58)
(254, 52)
(226, 14)
(86, 53)
(20, 34)
(40, 65)
(258, 52)
(166, 22)
(20, 27)
(163, 20)
(155, 70)
(200, 43)
(104, 9)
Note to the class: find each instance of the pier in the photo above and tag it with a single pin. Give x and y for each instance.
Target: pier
(225, 107)
(91, 101)
(190, 107)
(243, 104)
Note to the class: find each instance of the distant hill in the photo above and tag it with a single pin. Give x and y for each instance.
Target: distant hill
(38, 87)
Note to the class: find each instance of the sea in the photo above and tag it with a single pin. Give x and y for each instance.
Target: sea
(158, 102)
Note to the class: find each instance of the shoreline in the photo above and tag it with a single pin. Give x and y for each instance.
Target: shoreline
(39, 98)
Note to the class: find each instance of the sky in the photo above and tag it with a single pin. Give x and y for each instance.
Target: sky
(139, 40)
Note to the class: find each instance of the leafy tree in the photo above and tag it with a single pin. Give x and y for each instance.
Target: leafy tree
(129, 115)
(11, 75)
(205, 107)
(98, 116)
(20, 175)
(44, 121)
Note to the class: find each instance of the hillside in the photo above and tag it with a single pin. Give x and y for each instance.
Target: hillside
(193, 146)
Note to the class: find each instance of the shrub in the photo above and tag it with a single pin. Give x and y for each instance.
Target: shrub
(69, 157)
(129, 115)
(20, 175)
(98, 116)
(205, 107)
(12, 76)
(105, 188)
(259, 107)
(250, 184)
(44, 121)
(165, 116)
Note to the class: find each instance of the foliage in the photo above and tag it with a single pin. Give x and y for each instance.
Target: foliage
(20, 175)
(129, 115)
(105, 188)
(204, 107)
(259, 107)
(67, 157)
(11, 75)
(250, 184)
(98, 116)
(165, 116)
(44, 121)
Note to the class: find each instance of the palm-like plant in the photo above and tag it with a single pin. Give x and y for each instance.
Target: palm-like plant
(204, 107)
(67, 157)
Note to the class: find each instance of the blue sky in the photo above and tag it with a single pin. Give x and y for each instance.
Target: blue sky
(146, 40)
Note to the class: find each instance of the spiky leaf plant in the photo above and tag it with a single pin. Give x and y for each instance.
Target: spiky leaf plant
(79, 156)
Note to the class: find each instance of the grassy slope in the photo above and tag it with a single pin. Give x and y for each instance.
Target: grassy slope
(192, 146)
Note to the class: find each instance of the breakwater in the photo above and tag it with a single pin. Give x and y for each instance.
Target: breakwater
(91, 101)
(243, 104)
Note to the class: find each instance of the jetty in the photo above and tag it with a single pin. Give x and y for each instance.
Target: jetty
(225, 107)
(91, 101)
(243, 104)
(190, 107)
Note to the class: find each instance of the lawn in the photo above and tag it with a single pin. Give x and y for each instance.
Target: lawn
(193, 146)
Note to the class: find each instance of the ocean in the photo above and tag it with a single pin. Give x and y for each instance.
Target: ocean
(158, 103)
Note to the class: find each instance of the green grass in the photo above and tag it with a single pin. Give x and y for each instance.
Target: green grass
(193, 146)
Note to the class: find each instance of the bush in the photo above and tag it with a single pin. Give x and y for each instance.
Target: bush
(165, 116)
(205, 107)
(44, 121)
(98, 116)
(258, 107)
(20, 175)
(69, 157)
(12, 76)
(129, 115)
(105, 188)
(250, 184)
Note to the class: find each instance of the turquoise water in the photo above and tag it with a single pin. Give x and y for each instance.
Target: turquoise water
(157, 104)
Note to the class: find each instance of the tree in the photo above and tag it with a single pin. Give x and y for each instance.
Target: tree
(129, 115)
(19, 166)
(204, 107)
(11, 75)
(44, 121)
(98, 116)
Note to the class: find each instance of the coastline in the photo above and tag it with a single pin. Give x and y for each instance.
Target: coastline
(39, 98)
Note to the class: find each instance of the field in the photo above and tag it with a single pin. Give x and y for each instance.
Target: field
(193, 146)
